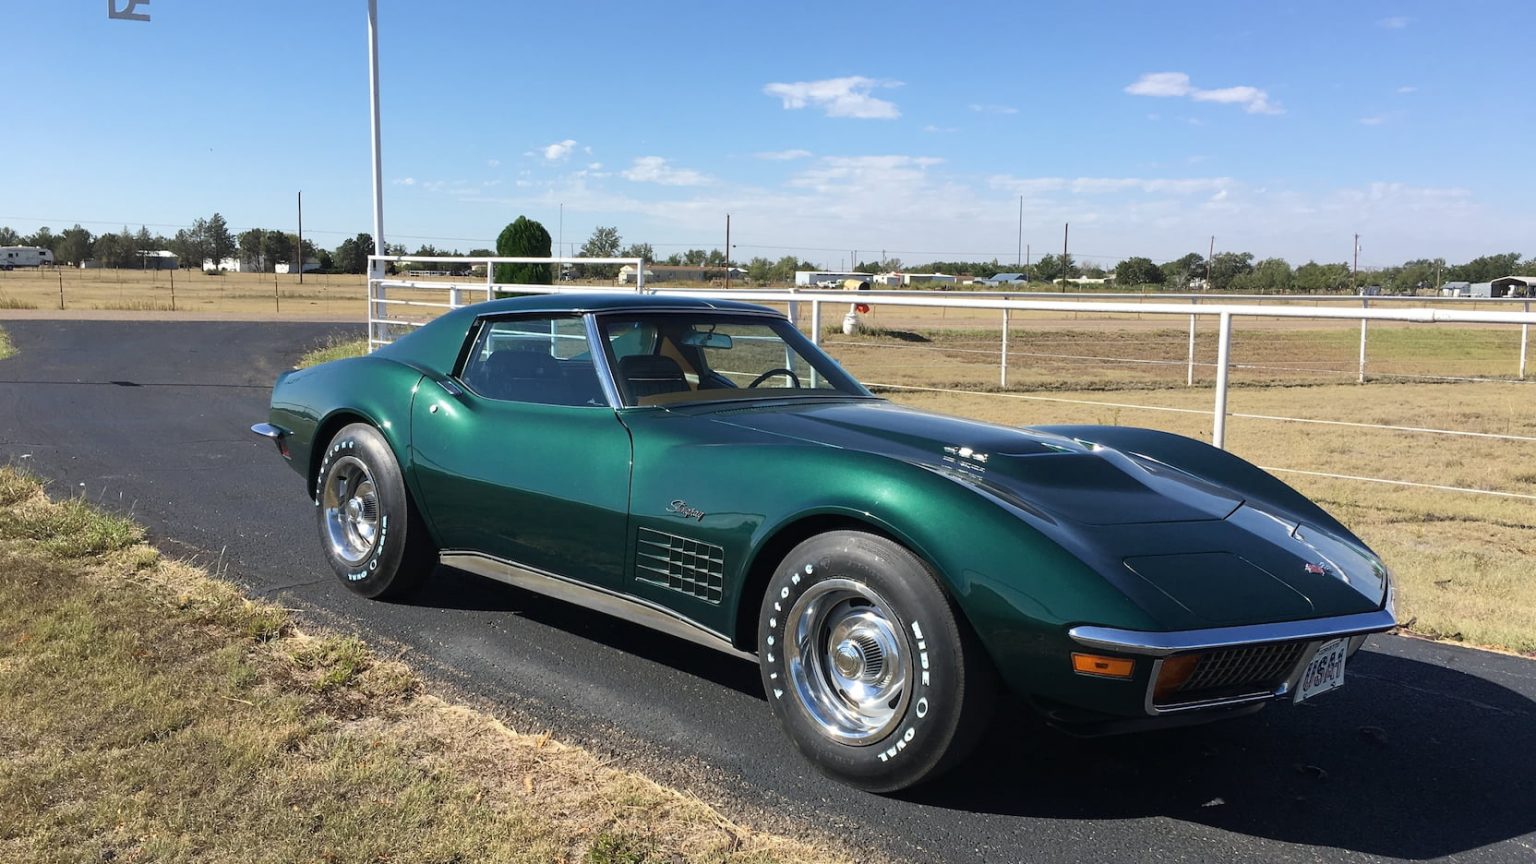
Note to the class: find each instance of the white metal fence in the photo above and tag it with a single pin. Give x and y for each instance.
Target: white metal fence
(1190, 307)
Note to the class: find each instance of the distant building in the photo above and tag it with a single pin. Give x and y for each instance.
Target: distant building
(1456, 289)
(680, 273)
(1007, 279)
(928, 279)
(1513, 286)
(810, 278)
(310, 266)
(162, 259)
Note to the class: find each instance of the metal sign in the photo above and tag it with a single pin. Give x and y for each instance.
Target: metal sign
(126, 13)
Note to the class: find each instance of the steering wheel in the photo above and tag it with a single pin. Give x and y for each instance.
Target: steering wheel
(795, 379)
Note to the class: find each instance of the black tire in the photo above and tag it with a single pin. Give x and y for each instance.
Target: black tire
(847, 614)
(370, 531)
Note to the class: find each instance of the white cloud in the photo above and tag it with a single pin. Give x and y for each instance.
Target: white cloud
(1160, 84)
(1396, 22)
(838, 97)
(1177, 84)
(1407, 88)
(994, 109)
(494, 163)
(594, 166)
(865, 172)
(559, 150)
(1375, 120)
(405, 181)
(939, 130)
(1108, 185)
(784, 155)
(654, 169)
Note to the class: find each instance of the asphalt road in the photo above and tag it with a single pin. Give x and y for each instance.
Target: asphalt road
(1428, 753)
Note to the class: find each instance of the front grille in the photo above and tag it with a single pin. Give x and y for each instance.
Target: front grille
(1239, 671)
(690, 566)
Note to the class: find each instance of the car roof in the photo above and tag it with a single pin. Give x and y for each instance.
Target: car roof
(435, 346)
(608, 301)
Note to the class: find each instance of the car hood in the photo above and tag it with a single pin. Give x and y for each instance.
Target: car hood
(1063, 478)
(1230, 561)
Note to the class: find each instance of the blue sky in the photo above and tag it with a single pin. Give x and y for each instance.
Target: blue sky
(824, 128)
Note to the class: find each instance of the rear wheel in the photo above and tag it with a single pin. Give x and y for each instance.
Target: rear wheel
(869, 669)
(371, 534)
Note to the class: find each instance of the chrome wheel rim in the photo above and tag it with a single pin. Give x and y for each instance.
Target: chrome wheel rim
(350, 502)
(848, 661)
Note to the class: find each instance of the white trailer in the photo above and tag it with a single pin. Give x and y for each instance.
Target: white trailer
(25, 256)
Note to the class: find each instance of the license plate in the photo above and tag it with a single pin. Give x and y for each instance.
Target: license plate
(1325, 672)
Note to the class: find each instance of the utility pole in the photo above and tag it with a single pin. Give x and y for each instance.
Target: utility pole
(560, 248)
(1027, 253)
(1018, 260)
(301, 236)
(1354, 275)
(1208, 257)
(1066, 227)
(727, 251)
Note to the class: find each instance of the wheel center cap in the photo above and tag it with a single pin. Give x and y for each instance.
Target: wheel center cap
(354, 509)
(848, 659)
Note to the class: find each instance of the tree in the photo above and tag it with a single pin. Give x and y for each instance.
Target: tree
(250, 245)
(1053, 267)
(74, 245)
(1138, 271)
(1270, 276)
(9, 237)
(1180, 272)
(277, 247)
(1315, 278)
(604, 243)
(639, 250)
(219, 242)
(524, 238)
(1227, 266)
(1483, 269)
(760, 270)
(352, 255)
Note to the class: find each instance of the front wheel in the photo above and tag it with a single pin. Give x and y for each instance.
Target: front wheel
(372, 537)
(867, 666)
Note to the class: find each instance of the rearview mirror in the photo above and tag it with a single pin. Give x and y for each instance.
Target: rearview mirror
(699, 339)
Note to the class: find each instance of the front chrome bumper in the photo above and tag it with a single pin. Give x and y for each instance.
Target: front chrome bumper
(1304, 638)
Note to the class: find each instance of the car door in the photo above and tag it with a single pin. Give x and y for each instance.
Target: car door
(521, 457)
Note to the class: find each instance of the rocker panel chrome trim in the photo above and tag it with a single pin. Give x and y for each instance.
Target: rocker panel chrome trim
(630, 609)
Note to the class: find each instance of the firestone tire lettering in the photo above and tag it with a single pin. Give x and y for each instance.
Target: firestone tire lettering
(950, 684)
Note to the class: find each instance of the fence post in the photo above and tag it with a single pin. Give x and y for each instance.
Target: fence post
(1003, 372)
(816, 322)
(1525, 340)
(1223, 357)
(1189, 378)
(1364, 324)
(490, 280)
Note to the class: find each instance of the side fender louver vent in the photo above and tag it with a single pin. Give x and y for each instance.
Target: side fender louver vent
(690, 566)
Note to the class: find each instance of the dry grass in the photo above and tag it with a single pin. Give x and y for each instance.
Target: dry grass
(151, 713)
(337, 346)
(6, 348)
(172, 292)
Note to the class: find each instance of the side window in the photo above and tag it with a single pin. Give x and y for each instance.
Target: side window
(539, 360)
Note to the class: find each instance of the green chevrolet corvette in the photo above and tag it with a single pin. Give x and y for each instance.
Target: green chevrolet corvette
(700, 467)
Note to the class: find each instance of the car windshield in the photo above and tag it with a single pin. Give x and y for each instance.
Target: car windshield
(677, 358)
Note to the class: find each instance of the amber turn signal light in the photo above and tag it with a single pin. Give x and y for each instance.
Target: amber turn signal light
(1174, 672)
(1104, 667)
